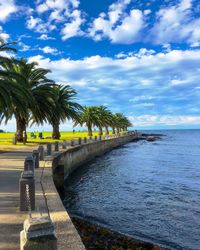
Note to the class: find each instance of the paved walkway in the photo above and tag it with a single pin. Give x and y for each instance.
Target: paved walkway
(11, 219)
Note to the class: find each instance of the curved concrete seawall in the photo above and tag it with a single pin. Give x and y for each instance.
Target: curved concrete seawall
(75, 157)
(56, 169)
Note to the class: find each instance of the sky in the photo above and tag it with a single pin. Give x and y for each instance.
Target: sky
(138, 57)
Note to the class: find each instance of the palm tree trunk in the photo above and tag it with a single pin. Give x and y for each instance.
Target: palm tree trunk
(107, 130)
(100, 131)
(89, 129)
(21, 127)
(113, 130)
(56, 132)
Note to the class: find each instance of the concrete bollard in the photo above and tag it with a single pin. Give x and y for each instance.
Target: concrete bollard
(14, 140)
(38, 234)
(29, 164)
(90, 138)
(41, 153)
(56, 146)
(24, 137)
(36, 158)
(100, 138)
(85, 140)
(64, 145)
(27, 191)
(79, 141)
(72, 143)
(49, 149)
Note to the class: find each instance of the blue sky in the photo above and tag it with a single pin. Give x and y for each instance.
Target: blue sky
(141, 58)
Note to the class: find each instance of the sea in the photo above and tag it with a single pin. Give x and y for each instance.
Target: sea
(147, 190)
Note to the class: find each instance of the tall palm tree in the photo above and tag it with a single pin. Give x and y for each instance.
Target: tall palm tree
(120, 122)
(89, 117)
(34, 81)
(4, 47)
(126, 123)
(64, 108)
(6, 86)
(104, 118)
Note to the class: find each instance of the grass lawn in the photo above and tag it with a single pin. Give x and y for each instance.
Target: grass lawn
(6, 138)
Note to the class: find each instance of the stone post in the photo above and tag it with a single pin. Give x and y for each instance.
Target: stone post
(49, 149)
(85, 140)
(29, 164)
(72, 143)
(41, 153)
(38, 234)
(90, 138)
(79, 141)
(24, 137)
(14, 140)
(36, 158)
(100, 138)
(64, 145)
(27, 191)
(56, 148)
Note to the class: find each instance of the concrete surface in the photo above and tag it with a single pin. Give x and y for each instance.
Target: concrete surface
(11, 220)
(48, 202)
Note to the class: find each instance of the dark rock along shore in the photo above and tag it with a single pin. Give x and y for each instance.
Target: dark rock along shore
(100, 238)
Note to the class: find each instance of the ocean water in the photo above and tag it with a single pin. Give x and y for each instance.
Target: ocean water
(149, 190)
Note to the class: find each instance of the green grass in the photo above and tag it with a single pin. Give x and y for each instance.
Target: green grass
(6, 138)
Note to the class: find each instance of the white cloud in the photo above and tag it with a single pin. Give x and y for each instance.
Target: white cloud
(24, 47)
(128, 31)
(146, 82)
(176, 24)
(143, 51)
(150, 84)
(141, 98)
(62, 15)
(178, 82)
(72, 28)
(147, 12)
(116, 10)
(7, 7)
(33, 22)
(195, 44)
(58, 5)
(49, 50)
(4, 35)
(46, 37)
(148, 69)
(157, 120)
(121, 55)
(38, 25)
(117, 25)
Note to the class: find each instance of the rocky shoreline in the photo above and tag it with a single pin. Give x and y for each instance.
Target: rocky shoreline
(96, 237)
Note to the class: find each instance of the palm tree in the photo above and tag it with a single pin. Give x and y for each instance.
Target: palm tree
(126, 123)
(64, 108)
(104, 118)
(89, 117)
(120, 122)
(6, 46)
(6, 86)
(34, 81)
